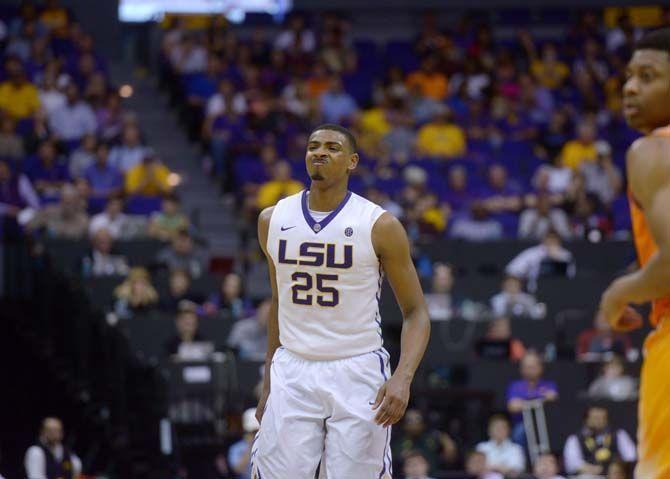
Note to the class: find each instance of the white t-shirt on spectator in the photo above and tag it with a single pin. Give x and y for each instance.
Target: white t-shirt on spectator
(104, 221)
(124, 157)
(505, 455)
(526, 265)
(51, 100)
(71, 122)
(35, 462)
(286, 39)
(216, 105)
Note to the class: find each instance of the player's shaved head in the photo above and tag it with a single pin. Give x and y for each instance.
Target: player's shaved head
(351, 139)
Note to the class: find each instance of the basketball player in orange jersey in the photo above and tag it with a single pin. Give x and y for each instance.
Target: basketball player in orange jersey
(647, 109)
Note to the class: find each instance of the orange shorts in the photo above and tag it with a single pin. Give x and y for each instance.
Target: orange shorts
(654, 406)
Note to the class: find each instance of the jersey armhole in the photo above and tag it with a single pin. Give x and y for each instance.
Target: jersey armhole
(376, 214)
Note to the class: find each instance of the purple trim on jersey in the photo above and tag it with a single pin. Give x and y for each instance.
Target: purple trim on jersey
(324, 222)
(381, 364)
(388, 430)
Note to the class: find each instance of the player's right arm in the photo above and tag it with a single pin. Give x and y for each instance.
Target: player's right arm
(273, 322)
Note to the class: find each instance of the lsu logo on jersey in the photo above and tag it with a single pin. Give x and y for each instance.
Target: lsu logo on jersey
(319, 254)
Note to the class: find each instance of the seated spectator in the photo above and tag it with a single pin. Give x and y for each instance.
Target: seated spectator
(130, 152)
(477, 226)
(186, 325)
(601, 177)
(111, 219)
(430, 82)
(50, 457)
(536, 221)
(440, 299)
(229, 299)
(523, 392)
(441, 138)
(239, 454)
(83, 157)
(548, 69)
(189, 56)
(70, 122)
(600, 341)
(477, 468)
(549, 258)
(249, 336)
(182, 254)
(100, 261)
(295, 35)
(46, 171)
(458, 196)
(553, 179)
(435, 446)
(110, 117)
(16, 194)
(11, 144)
(51, 98)
(148, 178)
(512, 301)
(553, 136)
(498, 342)
(546, 467)
(136, 295)
(165, 224)
(583, 148)
(502, 455)
(103, 179)
(336, 105)
(18, 97)
(613, 383)
(597, 445)
(415, 466)
(500, 193)
(226, 99)
(279, 187)
(179, 289)
(65, 219)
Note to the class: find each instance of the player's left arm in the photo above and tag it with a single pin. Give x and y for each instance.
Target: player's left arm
(649, 179)
(392, 247)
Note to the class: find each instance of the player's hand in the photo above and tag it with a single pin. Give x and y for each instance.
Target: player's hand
(260, 409)
(392, 400)
(619, 315)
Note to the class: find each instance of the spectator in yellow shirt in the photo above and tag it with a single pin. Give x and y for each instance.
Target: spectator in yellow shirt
(441, 138)
(575, 152)
(549, 71)
(148, 178)
(19, 98)
(432, 83)
(279, 187)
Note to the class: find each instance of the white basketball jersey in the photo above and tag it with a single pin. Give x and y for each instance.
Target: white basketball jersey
(328, 277)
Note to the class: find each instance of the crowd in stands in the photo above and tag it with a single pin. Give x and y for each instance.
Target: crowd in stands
(461, 136)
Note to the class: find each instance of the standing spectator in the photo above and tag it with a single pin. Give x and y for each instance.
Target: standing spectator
(477, 468)
(536, 221)
(477, 225)
(101, 261)
(83, 157)
(440, 300)
(136, 295)
(229, 299)
(601, 177)
(583, 148)
(186, 325)
(11, 144)
(249, 336)
(441, 138)
(104, 180)
(596, 446)
(430, 82)
(498, 342)
(111, 219)
(546, 467)
(547, 258)
(337, 106)
(148, 178)
(613, 384)
(601, 340)
(529, 388)
(415, 466)
(18, 97)
(50, 458)
(66, 219)
(130, 152)
(239, 455)
(279, 187)
(165, 224)
(72, 121)
(513, 301)
(182, 254)
(502, 455)
(46, 171)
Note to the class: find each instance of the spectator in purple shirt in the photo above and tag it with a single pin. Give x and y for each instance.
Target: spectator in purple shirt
(103, 179)
(531, 387)
(457, 195)
(500, 194)
(46, 172)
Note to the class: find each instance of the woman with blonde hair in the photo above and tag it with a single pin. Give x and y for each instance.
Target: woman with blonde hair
(136, 294)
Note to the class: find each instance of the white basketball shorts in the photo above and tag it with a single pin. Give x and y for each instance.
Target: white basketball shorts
(321, 412)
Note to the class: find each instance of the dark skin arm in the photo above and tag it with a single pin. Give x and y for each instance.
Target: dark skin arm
(392, 247)
(273, 322)
(648, 163)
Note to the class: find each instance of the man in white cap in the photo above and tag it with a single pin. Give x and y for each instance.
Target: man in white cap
(239, 454)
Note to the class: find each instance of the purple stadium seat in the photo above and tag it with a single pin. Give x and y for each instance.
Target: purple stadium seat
(143, 205)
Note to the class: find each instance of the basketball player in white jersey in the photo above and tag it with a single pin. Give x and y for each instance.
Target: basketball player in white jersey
(329, 396)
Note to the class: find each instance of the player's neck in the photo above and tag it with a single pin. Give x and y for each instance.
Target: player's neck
(326, 199)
